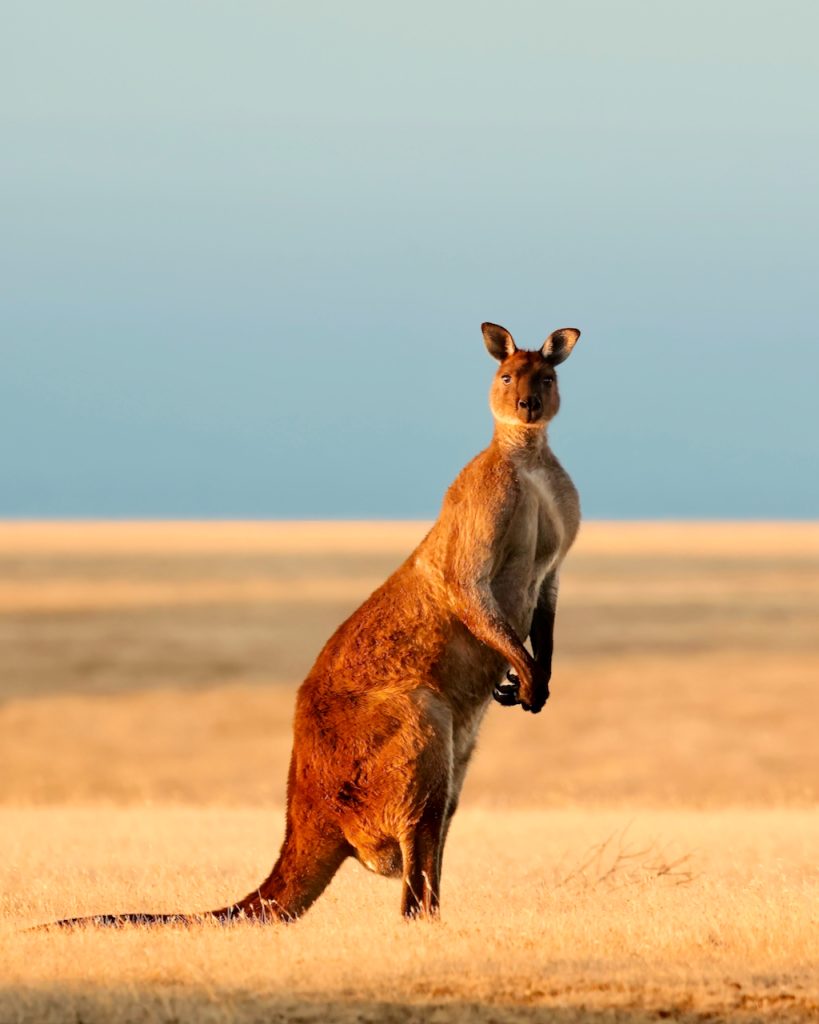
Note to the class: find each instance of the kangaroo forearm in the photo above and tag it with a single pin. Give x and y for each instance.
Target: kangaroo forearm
(543, 622)
(542, 635)
(487, 625)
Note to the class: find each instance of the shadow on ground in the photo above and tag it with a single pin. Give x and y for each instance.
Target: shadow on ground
(174, 1005)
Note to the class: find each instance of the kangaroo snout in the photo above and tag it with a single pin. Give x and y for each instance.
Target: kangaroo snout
(530, 408)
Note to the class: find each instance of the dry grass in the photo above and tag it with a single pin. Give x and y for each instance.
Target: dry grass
(646, 848)
(581, 910)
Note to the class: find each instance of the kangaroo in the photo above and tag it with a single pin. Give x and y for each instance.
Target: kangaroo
(387, 719)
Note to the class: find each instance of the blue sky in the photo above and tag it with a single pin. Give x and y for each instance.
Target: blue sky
(246, 250)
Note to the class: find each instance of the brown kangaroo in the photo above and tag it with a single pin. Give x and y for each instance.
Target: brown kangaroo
(387, 719)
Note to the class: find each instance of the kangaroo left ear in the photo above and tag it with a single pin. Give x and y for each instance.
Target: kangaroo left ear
(558, 346)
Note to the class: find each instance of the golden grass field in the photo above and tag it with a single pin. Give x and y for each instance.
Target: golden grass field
(645, 849)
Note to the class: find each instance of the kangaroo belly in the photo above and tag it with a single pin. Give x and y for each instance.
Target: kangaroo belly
(467, 671)
(517, 586)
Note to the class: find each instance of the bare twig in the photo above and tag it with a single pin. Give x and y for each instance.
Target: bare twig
(616, 864)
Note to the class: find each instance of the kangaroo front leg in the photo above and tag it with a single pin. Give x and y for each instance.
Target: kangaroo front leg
(542, 633)
(529, 682)
(476, 607)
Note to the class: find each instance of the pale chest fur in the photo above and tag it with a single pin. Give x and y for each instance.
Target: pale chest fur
(541, 530)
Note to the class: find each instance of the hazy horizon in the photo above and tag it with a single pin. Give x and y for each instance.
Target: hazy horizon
(159, 520)
(247, 251)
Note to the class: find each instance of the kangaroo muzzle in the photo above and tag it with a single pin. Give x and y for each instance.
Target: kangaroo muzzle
(530, 408)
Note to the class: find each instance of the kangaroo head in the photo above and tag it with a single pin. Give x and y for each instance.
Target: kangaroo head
(524, 392)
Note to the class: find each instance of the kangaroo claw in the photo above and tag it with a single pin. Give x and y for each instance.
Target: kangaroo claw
(506, 692)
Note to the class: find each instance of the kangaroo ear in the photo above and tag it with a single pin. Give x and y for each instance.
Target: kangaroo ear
(558, 346)
(499, 341)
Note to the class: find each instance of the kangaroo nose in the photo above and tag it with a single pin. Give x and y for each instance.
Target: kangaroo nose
(532, 403)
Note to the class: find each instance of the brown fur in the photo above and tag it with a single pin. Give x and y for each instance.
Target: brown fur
(387, 719)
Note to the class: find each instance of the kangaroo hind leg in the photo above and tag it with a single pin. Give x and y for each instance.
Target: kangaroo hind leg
(422, 842)
(422, 881)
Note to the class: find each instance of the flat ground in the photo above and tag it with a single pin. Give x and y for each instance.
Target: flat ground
(646, 848)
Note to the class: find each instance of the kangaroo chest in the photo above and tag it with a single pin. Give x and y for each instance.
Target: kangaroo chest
(534, 545)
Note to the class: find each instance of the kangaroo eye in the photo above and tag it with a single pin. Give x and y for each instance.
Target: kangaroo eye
(506, 378)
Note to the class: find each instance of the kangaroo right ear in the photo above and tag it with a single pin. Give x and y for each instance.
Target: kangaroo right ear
(499, 341)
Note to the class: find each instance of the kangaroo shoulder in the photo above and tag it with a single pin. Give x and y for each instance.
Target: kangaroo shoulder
(477, 510)
(486, 483)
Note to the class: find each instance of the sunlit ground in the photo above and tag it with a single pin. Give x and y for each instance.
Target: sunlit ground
(645, 848)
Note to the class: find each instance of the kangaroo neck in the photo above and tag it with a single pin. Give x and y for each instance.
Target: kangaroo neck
(519, 442)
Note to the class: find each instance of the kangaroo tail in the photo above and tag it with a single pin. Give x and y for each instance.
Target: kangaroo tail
(119, 920)
(298, 878)
(263, 912)
(254, 907)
